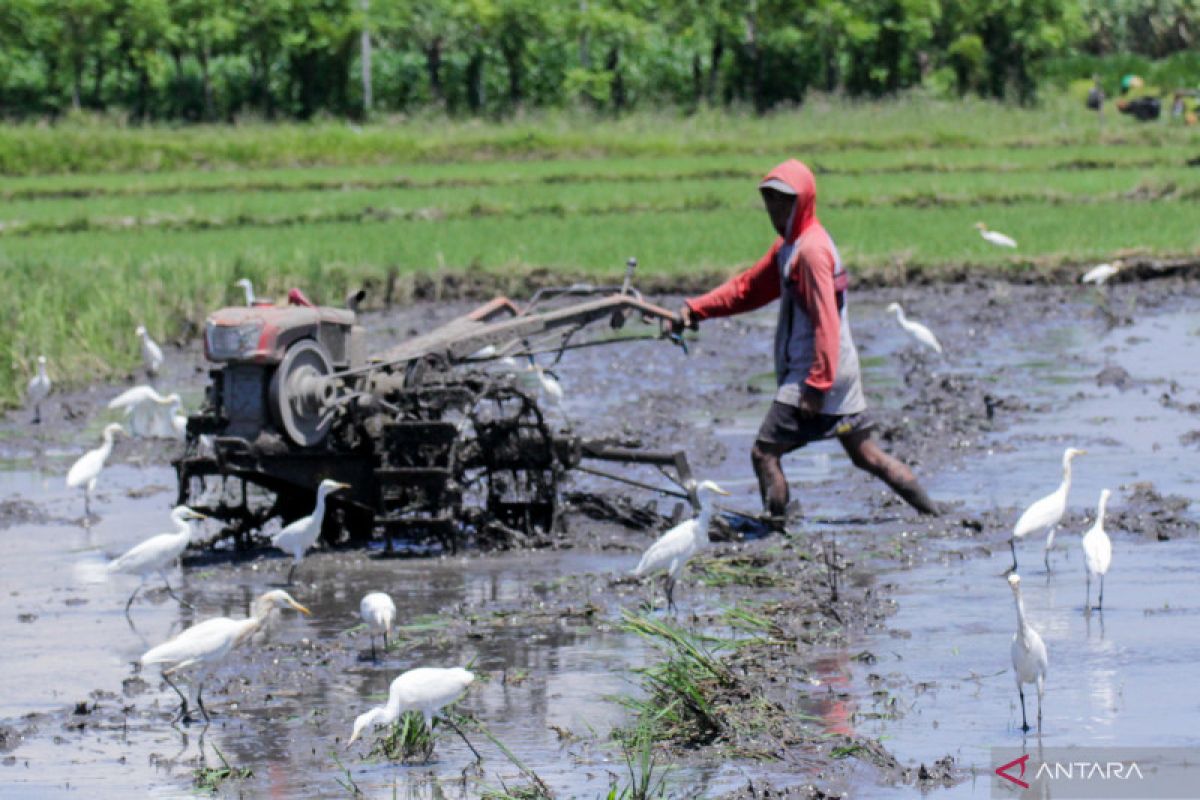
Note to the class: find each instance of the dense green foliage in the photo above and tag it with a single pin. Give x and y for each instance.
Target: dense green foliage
(219, 60)
(153, 227)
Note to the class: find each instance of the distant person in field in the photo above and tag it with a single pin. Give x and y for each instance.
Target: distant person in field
(820, 394)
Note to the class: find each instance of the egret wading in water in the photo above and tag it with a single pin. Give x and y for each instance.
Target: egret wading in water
(1100, 273)
(152, 354)
(149, 413)
(549, 384)
(38, 390)
(201, 648)
(379, 613)
(304, 532)
(157, 553)
(915, 329)
(995, 237)
(248, 288)
(1097, 553)
(424, 689)
(1028, 655)
(673, 549)
(86, 470)
(1046, 513)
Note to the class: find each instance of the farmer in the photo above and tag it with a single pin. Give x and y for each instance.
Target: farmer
(820, 392)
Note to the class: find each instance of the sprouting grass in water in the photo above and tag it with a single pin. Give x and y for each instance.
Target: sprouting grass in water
(407, 739)
(682, 702)
(212, 778)
(647, 779)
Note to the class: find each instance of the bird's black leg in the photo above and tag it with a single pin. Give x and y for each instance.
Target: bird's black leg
(670, 594)
(1024, 720)
(171, 592)
(1046, 558)
(292, 572)
(200, 702)
(1012, 545)
(1100, 603)
(1087, 598)
(183, 707)
(129, 602)
(464, 738)
(373, 656)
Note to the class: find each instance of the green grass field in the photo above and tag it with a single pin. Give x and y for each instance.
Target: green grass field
(103, 228)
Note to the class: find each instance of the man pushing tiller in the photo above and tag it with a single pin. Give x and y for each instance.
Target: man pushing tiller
(820, 391)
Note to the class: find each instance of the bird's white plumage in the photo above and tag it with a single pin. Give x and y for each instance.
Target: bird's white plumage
(1097, 547)
(39, 387)
(1100, 273)
(149, 413)
(378, 611)
(995, 237)
(152, 354)
(550, 386)
(915, 329)
(87, 468)
(202, 647)
(248, 288)
(157, 552)
(1048, 511)
(1028, 651)
(675, 548)
(424, 689)
(302, 534)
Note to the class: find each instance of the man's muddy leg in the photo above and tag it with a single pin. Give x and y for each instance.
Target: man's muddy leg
(772, 483)
(868, 456)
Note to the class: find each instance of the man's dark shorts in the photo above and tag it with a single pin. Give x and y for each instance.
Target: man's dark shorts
(784, 426)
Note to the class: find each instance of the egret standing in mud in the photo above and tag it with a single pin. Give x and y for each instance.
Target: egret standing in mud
(304, 532)
(1097, 553)
(149, 413)
(1046, 513)
(549, 384)
(248, 288)
(38, 390)
(379, 613)
(425, 689)
(915, 329)
(157, 553)
(1028, 655)
(202, 647)
(86, 470)
(1100, 273)
(152, 354)
(676, 546)
(995, 237)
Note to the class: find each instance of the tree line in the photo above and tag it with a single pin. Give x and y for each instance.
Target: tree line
(215, 60)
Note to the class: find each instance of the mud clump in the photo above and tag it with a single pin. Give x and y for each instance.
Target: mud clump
(1150, 514)
(16, 511)
(1115, 376)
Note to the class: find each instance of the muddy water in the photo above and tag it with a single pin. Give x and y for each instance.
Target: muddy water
(284, 707)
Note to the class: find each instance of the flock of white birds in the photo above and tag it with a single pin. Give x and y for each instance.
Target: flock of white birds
(200, 649)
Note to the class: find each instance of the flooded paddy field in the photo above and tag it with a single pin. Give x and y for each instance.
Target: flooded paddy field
(864, 654)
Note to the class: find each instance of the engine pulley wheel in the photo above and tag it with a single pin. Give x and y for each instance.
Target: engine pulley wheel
(300, 393)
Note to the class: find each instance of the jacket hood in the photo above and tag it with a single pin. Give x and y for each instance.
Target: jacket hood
(799, 178)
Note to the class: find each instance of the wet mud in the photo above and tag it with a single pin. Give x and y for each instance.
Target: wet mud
(825, 687)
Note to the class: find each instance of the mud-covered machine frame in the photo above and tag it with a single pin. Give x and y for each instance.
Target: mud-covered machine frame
(436, 443)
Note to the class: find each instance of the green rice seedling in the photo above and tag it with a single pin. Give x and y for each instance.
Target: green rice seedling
(211, 779)
(407, 739)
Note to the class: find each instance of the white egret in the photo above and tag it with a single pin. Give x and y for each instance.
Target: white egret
(915, 329)
(157, 553)
(178, 422)
(1028, 655)
(248, 288)
(1100, 273)
(676, 546)
(995, 237)
(205, 645)
(549, 383)
(1097, 552)
(424, 689)
(86, 469)
(149, 413)
(152, 354)
(379, 612)
(38, 390)
(1046, 513)
(304, 532)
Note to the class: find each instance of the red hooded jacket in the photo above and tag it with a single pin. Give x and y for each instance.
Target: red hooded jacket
(812, 271)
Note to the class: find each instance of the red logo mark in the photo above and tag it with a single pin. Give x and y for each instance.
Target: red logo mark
(1002, 771)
